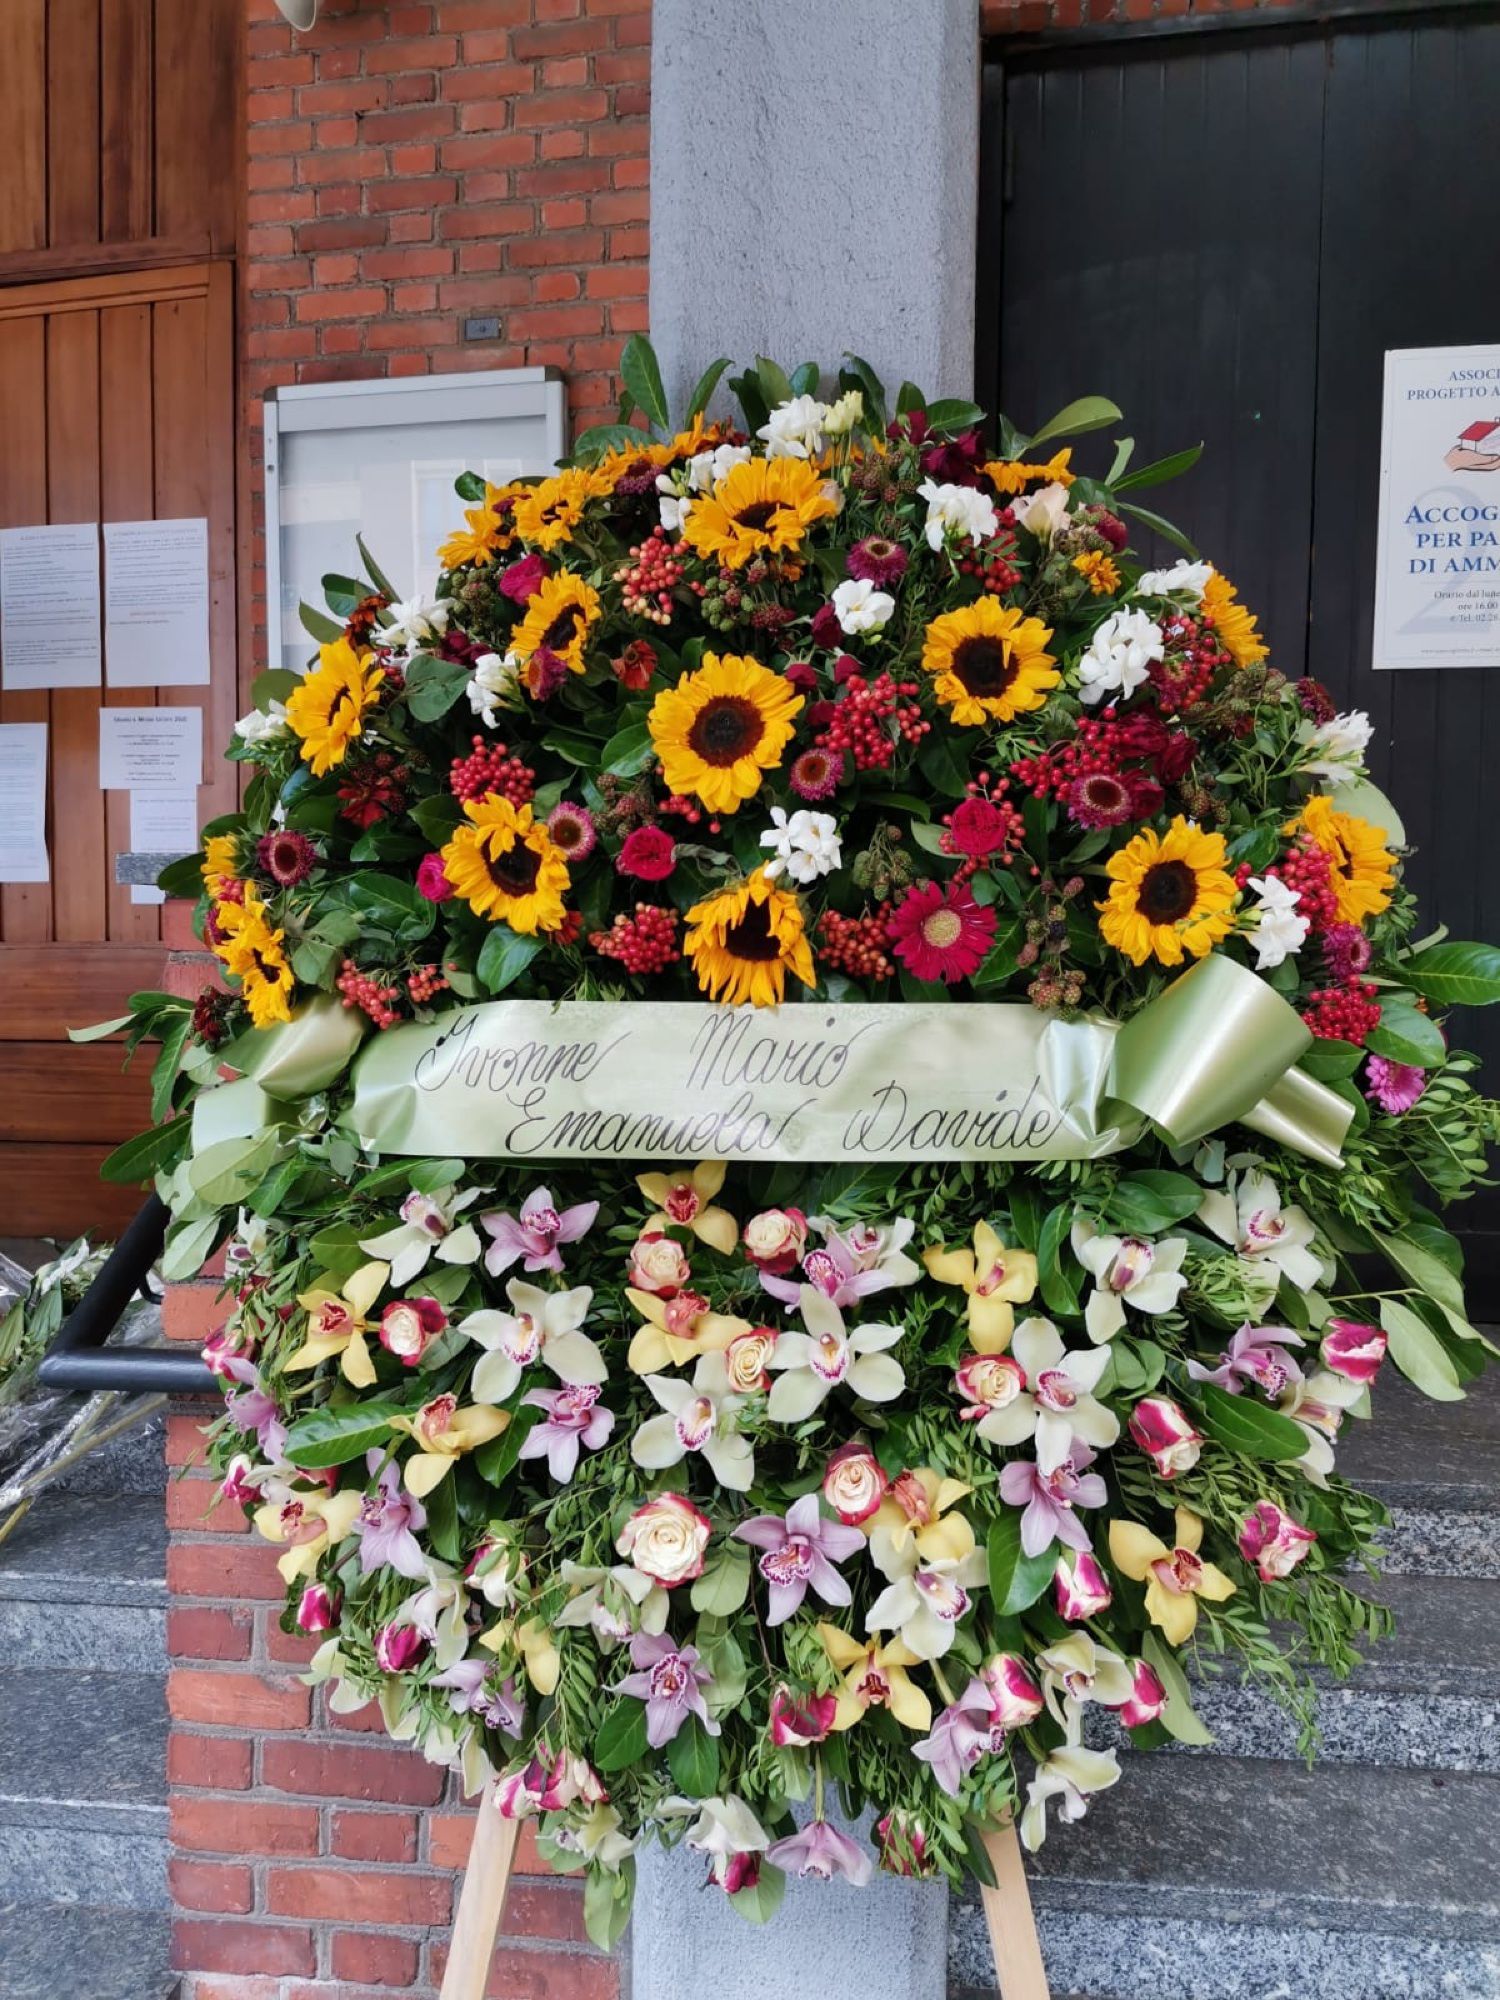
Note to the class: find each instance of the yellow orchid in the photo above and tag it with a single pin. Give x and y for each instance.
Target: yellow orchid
(677, 1330)
(875, 1676)
(1175, 1578)
(994, 1278)
(308, 1523)
(914, 1523)
(532, 1642)
(337, 1323)
(445, 1432)
(683, 1197)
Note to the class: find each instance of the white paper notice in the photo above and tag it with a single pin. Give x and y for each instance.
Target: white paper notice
(156, 603)
(23, 802)
(162, 822)
(49, 607)
(150, 749)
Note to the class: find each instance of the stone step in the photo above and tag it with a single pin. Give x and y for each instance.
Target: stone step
(83, 1816)
(82, 1584)
(1426, 1455)
(51, 1950)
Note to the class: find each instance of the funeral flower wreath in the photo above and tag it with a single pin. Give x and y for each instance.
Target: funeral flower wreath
(671, 1497)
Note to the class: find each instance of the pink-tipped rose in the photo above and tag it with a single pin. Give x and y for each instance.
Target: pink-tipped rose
(1081, 1587)
(1352, 1349)
(408, 1328)
(318, 1610)
(854, 1483)
(775, 1239)
(1015, 1698)
(1273, 1541)
(747, 1361)
(1161, 1429)
(1148, 1697)
(397, 1647)
(665, 1539)
(659, 1264)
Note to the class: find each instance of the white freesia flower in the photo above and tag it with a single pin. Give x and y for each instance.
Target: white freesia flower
(1280, 930)
(845, 414)
(1336, 749)
(860, 607)
(1071, 1775)
(924, 1607)
(492, 686)
(1043, 512)
(413, 622)
(805, 845)
(1119, 656)
(697, 1416)
(810, 1364)
(262, 725)
(962, 512)
(1267, 1238)
(795, 429)
(1183, 579)
(1125, 1270)
(427, 1228)
(1058, 1403)
(545, 1327)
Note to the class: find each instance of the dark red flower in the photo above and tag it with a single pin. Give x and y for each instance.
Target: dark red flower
(287, 857)
(826, 629)
(649, 854)
(636, 665)
(523, 579)
(802, 676)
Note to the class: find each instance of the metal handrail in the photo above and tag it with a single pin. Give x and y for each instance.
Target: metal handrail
(79, 1359)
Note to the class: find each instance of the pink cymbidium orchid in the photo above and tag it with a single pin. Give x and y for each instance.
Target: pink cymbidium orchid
(821, 1850)
(575, 1420)
(799, 1551)
(1050, 1498)
(387, 1522)
(670, 1680)
(1255, 1354)
(543, 1327)
(536, 1235)
(850, 1265)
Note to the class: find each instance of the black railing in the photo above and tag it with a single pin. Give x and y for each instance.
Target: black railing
(79, 1359)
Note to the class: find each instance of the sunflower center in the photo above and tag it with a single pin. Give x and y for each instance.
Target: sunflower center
(1167, 893)
(725, 729)
(751, 937)
(561, 632)
(759, 514)
(942, 930)
(984, 665)
(514, 873)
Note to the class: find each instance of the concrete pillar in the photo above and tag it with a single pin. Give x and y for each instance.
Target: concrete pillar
(814, 171)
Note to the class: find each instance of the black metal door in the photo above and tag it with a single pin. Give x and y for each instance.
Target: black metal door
(1225, 231)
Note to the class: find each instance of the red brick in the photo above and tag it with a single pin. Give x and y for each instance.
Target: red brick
(562, 107)
(194, 1505)
(425, 52)
(488, 149)
(212, 1763)
(502, 86)
(518, 1974)
(210, 1885)
(563, 38)
(432, 191)
(552, 1909)
(494, 218)
(617, 281)
(287, 1649)
(354, 94)
(354, 232)
(243, 1701)
(375, 1836)
(185, 1440)
(412, 121)
(392, 1896)
(191, 1312)
(202, 1946)
(243, 1826)
(201, 1632)
(408, 262)
(209, 1988)
(354, 302)
(378, 1960)
(351, 1771)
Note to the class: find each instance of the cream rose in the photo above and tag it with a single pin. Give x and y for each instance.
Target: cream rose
(659, 1264)
(854, 1484)
(747, 1358)
(665, 1539)
(775, 1238)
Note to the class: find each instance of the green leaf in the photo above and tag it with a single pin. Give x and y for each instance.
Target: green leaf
(442, 1519)
(641, 373)
(470, 488)
(1016, 1580)
(804, 378)
(223, 1174)
(188, 1248)
(101, 1030)
(1178, 1717)
(164, 1069)
(1406, 1036)
(1159, 471)
(324, 629)
(707, 382)
(1160, 526)
(628, 751)
(375, 573)
(775, 386)
(1330, 1060)
(725, 1583)
(1152, 1200)
(760, 1902)
(599, 438)
(495, 1461)
(1248, 1427)
(275, 684)
(1431, 1273)
(952, 413)
(333, 1436)
(1419, 1354)
(1456, 975)
(1058, 1290)
(693, 1760)
(437, 816)
(393, 904)
(908, 398)
(945, 763)
(607, 1898)
(433, 686)
(864, 378)
(747, 389)
(1088, 413)
(503, 957)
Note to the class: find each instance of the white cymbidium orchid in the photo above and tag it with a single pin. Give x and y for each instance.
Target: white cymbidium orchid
(925, 1605)
(1071, 1775)
(545, 1327)
(1270, 1240)
(1126, 1271)
(701, 1416)
(1058, 1403)
(810, 1365)
(427, 1228)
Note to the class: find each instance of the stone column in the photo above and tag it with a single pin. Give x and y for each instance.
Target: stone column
(814, 170)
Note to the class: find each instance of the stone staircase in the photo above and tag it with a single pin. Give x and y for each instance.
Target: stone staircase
(1374, 1876)
(83, 1816)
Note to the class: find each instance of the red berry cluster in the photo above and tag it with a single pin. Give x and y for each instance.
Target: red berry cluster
(490, 767)
(991, 566)
(1343, 1013)
(644, 942)
(570, 930)
(209, 1010)
(648, 582)
(1137, 749)
(424, 981)
(361, 989)
(1307, 869)
(860, 720)
(686, 807)
(1192, 655)
(856, 945)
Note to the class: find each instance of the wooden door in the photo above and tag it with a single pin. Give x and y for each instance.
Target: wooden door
(116, 404)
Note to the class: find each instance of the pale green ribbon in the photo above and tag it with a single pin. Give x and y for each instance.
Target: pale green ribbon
(517, 1078)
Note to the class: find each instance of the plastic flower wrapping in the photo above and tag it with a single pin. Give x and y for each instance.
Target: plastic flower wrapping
(671, 1497)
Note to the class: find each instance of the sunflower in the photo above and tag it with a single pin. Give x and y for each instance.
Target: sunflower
(1012, 476)
(1234, 624)
(547, 514)
(633, 468)
(220, 864)
(328, 710)
(558, 619)
(490, 529)
(250, 950)
(505, 864)
(762, 507)
(720, 729)
(1171, 895)
(1361, 868)
(988, 660)
(744, 941)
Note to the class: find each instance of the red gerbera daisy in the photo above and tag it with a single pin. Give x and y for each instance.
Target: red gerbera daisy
(941, 933)
(287, 857)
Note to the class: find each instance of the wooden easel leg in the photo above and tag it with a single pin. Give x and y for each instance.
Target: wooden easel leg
(481, 1902)
(1007, 1910)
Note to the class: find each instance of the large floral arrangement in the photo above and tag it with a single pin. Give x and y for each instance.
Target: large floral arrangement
(669, 1500)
